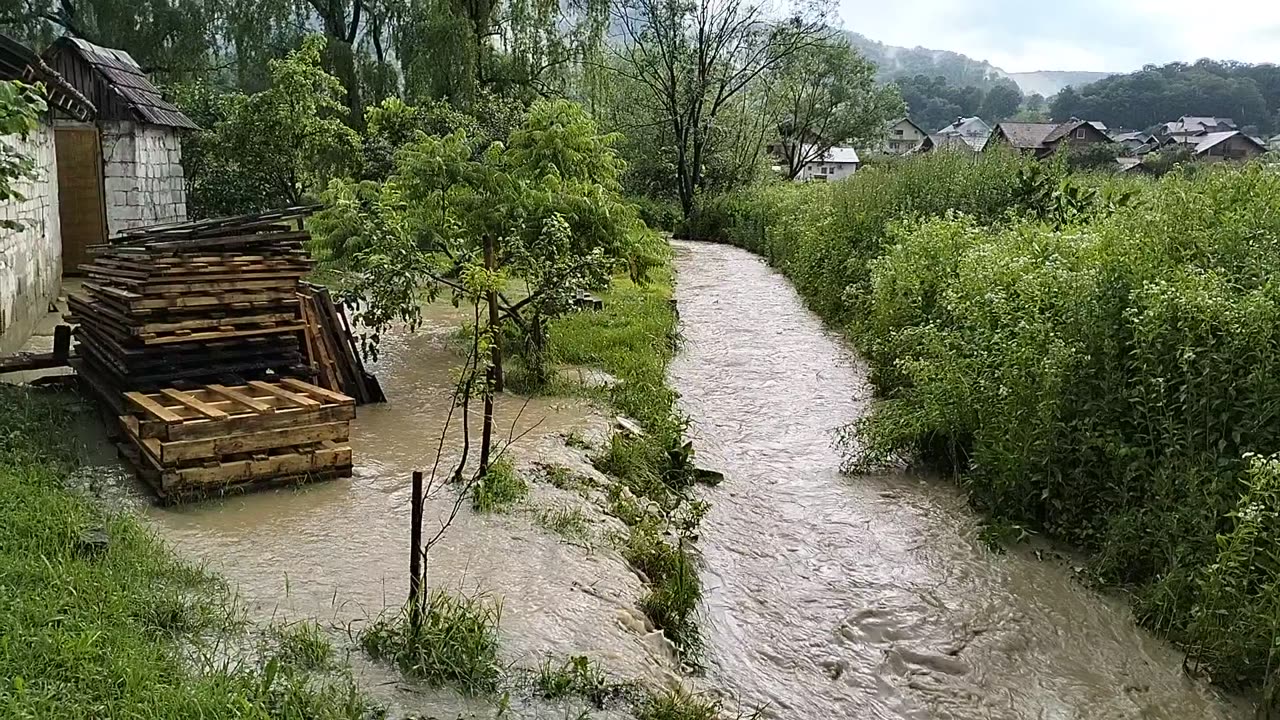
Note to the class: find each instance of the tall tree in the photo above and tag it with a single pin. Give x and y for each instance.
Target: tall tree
(1001, 102)
(691, 58)
(827, 95)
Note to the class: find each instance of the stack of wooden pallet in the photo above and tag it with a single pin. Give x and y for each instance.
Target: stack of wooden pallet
(200, 301)
(224, 438)
(331, 348)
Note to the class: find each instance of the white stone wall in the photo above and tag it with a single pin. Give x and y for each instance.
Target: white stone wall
(30, 258)
(143, 179)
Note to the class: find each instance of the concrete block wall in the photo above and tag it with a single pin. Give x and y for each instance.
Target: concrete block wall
(142, 175)
(30, 258)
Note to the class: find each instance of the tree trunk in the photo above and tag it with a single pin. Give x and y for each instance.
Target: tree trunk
(491, 375)
(495, 329)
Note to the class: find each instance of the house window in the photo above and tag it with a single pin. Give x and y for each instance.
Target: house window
(898, 133)
(1080, 134)
(893, 145)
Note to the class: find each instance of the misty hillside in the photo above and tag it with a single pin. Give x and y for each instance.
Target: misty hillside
(962, 70)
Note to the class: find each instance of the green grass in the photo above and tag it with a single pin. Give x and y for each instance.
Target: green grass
(456, 645)
(304, 645)
(499, 489)
(110, 632)
(576, 677)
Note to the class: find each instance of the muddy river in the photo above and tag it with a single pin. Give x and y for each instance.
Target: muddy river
(826, 596)
(872, 597)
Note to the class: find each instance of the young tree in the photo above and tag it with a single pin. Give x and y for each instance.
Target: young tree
(827, 95)
(692, 58)
(272, 148)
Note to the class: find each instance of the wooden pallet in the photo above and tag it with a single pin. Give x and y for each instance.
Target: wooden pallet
(215, 437)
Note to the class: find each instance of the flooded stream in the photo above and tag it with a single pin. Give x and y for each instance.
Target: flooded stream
(826, 596)
(871, 597)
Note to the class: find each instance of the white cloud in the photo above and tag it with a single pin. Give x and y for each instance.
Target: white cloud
(1024, 35)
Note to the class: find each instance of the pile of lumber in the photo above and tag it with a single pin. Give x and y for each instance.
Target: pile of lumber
(201, 301)
(220, 438)
(331, 349)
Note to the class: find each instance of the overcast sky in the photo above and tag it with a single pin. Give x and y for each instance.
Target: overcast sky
(1106, 35)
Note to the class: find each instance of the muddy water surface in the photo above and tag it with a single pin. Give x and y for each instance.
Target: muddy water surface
(338, 551)
(871, 597)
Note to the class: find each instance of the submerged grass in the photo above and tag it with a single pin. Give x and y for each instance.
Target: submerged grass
(569, 523)
(115, 631)
(455, 645)
(500, 488)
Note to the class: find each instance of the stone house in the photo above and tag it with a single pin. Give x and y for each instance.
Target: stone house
(903, 136)
(1043, 139)
(31, 234)
(124, 169)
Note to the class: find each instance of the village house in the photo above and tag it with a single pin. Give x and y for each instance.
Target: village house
(903, 136)
(837, 163)
(1219, 146)
(1190, 125)
(974, 131)
(108, 158)
(31, 253)
(1043, 139)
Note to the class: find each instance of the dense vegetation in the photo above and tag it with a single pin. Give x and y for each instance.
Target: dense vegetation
(1095, 363)
(1249, 94)
(935, 103)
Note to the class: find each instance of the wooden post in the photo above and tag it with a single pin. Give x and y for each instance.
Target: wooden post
(62, 342)
(490, 264)
(415, 553)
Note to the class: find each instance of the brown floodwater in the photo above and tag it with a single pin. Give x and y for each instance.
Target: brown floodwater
(337, 551)
(871, 597)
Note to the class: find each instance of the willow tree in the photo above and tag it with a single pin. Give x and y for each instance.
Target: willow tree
(693, 58)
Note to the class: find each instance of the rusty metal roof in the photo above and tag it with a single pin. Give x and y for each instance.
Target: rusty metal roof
(125, 77)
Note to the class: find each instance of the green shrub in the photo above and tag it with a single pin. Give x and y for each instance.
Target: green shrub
(1106, 383)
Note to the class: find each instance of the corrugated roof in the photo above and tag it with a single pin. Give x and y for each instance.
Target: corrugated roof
(125, 77)
(1204, 142)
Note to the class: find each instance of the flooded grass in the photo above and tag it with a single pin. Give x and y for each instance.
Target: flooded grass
(570, 523)
(304, 645)
(680, 705)
(122, 629)
(456, 644)
(633, 338)
(578, 676)
(499, 489)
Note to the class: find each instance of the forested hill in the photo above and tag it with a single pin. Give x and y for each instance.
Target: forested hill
(962, 70)
(1249, 94)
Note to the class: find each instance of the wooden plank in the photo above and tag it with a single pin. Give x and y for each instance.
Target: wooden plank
(245, 470)
(201, 407)
(151, 406)
(210, 322)
(280, 392)
(237, 396)
(31, 361)
(171, 453)
(318, 393)
(219, 335)
(282, 418)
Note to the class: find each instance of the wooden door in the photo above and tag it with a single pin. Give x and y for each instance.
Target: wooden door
(81, 208)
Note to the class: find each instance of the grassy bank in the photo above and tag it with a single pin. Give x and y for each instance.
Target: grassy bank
(633, 338)
(99, 620)
(1097, 368)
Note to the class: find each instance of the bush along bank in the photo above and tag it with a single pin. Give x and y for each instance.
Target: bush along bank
(633, 338)
(1106, 376)
(99, 620)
